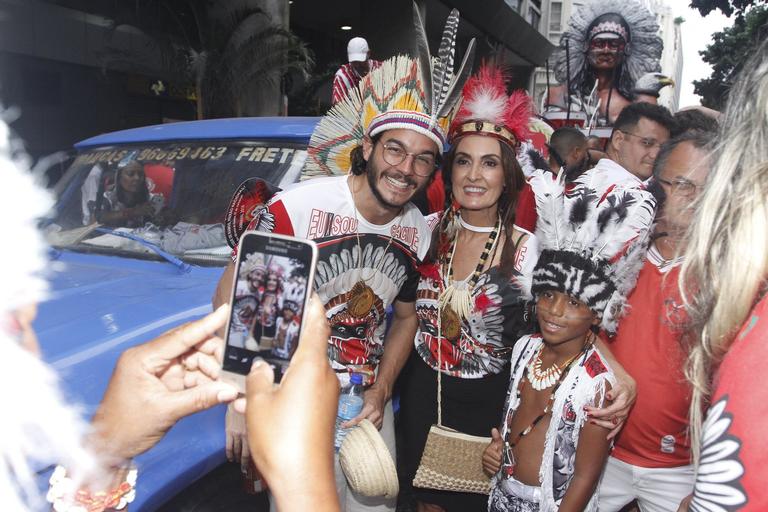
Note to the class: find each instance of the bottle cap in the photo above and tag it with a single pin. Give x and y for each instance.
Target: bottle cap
(356, 378)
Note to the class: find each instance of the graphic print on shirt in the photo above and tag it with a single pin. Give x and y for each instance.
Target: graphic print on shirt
(718, 487)
(470, 354)
(357, 334)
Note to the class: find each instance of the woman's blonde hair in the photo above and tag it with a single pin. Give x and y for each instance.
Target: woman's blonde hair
(726, 261)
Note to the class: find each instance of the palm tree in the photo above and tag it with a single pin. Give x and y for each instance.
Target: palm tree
(234, 53)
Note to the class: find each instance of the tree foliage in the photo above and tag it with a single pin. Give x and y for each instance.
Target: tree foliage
(727, 7)
(223, 48)
(727, 54)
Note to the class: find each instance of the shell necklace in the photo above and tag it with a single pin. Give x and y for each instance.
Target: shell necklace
(456, 297)
(361, 298)
(541, 380)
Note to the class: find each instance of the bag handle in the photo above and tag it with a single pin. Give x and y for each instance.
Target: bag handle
(439, 366)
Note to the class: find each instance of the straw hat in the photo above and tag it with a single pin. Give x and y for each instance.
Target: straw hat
(367, 463)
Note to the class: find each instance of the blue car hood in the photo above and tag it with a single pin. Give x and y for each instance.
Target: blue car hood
(103, 303)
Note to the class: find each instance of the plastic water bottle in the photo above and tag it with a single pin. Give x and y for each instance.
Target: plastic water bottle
(350, 405)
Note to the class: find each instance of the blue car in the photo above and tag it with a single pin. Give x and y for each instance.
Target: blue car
(125, 273)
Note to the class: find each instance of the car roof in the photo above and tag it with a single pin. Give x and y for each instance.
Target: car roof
(283, 128)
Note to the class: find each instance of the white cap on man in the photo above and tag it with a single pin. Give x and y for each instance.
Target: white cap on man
(357, 49)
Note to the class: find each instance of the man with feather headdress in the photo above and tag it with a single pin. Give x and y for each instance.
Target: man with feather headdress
(372, 152)
(608, 58)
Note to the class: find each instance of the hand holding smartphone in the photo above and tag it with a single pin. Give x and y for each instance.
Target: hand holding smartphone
(272, 285)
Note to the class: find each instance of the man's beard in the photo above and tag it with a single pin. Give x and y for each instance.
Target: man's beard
(373, 175)
(38, 428)
(575, 170)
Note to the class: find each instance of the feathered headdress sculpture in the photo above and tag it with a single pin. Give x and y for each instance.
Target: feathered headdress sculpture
(487, 109)
(416, 94)
(593, 238)
(627, 19)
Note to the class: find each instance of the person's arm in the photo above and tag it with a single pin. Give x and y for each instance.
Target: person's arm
(623, 396)
(591, 455)
(397, 348)
(290, 426)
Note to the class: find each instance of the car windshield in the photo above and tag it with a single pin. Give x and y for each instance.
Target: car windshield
(132, 200)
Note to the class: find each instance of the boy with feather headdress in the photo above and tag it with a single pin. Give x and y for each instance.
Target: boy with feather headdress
(548, 453)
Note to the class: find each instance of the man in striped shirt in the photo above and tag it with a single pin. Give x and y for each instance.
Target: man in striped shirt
(350, 74)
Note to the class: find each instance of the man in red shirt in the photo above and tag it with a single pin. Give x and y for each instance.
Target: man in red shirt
(350, 74)
(651, 460)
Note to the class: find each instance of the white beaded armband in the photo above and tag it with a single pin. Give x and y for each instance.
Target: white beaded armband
(64, 497)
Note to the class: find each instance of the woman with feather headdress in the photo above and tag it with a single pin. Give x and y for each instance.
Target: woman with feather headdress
(469, 299)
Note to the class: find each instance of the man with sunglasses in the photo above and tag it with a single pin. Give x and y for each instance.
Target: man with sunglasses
(651, 458)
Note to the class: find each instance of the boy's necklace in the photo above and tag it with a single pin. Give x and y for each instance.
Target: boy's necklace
(541, 380)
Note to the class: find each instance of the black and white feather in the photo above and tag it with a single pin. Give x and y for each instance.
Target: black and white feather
(442, 86)
(594, 237)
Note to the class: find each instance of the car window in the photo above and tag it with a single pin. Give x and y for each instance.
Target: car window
(171, 195)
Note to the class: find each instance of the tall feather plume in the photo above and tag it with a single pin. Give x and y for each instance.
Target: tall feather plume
(551, 224)
(454, 89)
(423, 56)
(442, 72)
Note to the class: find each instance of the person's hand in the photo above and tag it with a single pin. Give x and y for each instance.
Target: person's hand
(492, 454)
(685, 504)
(623, 396)
(290, 426)
(156, 384)
(237, 441)
(374, 399)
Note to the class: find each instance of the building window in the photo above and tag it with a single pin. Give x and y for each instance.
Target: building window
(514, 4)
(555, 16)
(534, 17)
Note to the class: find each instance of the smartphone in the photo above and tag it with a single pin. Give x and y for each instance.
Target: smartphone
(270, 294)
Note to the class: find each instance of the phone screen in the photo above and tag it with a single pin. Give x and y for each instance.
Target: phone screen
(273, 278)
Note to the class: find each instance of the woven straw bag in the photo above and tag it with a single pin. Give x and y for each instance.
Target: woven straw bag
(452, 460)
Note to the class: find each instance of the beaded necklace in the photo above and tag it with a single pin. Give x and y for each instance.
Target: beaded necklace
(456, 297)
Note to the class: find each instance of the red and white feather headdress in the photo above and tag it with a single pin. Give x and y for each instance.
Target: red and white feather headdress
(487, 109)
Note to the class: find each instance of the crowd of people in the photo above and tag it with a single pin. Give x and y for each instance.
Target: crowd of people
(607, 352)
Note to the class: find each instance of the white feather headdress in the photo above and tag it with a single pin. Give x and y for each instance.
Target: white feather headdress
(593, 237)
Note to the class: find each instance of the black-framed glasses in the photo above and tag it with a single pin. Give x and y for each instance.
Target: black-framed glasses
(680, 186)
(646, 142)
(424, 164)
